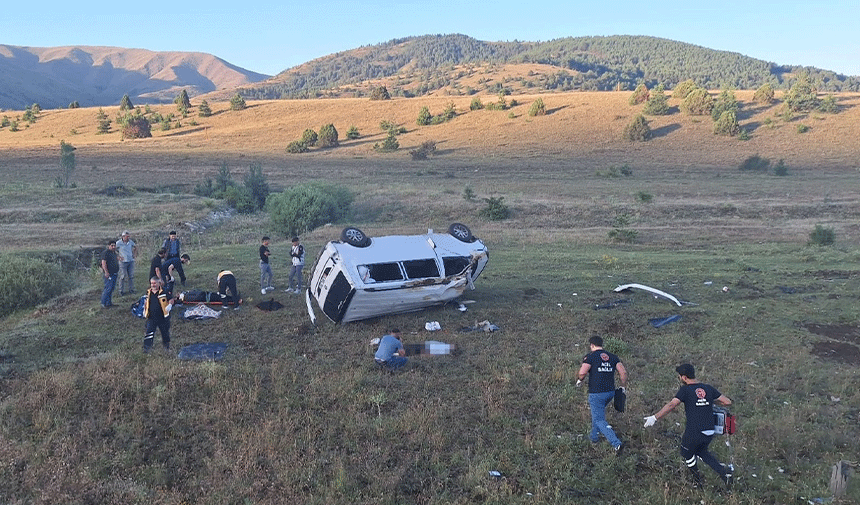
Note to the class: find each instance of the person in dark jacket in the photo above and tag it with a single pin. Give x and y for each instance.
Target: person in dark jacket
(698, 400)
(156, 310)
(110, 269)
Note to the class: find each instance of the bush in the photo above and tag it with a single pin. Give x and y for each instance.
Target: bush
(640, 95)
(204, 110)
(468, 194)
(309, 137)
(780, 169)
(620, 231)
(637, 130)
(240, 199)
(764, 94)
(135, 126)
(537, 108)
(297, 147)
(496, 210)
(424, 117)
(476, 104)
(305, 207)
(802, 97)
(644, 197)
(380, 93)
(125, 104)
(237, 102)
(802, 128)
(327, 136)
(388, 145)
(352, 133)
(829, 105)
(821, 236)
(103, 122)
(726, 102)
(28, 282)
(426, 148)
(683, 89)
(257, 185)
(754, 163)
(657, 104)
(698, 103)
(727, 124)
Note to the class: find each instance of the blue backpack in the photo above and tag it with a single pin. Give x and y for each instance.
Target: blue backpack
(137, 307)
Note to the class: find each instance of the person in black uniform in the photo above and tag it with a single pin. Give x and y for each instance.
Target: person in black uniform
(698, 400)
(600, 366)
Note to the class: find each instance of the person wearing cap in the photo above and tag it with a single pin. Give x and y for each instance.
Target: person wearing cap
(126, 251)
(297, 254)
(390, 354)
(698, 399)
(110, 267)
(600, 366)
(173, 246)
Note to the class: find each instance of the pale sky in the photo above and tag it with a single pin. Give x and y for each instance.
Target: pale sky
(270, 39)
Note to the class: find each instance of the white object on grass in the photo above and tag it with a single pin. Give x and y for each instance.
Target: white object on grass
(657, 292)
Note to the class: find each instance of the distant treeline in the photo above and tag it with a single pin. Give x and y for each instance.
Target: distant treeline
(618, 62)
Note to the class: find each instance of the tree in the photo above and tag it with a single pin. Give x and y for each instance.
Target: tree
(204, 110)
(183, 103)
(135, 126)
(698, 103)
(727, 124)
(637, 130)
(256, 184)
(327, 136)
(424, 117)
(237, 102)
(683, 89)
(764, 94)
(726, 102)
(125, 104)
(802, 97)
(67, 164)
(537, 108)
(103, 122)
(380, 93)
(74, 105)
(657, 103)
(640, 95)
(305, 207)
(309, 137)
(223, 180)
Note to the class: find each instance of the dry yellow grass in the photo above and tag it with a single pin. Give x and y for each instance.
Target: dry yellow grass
(580, 127)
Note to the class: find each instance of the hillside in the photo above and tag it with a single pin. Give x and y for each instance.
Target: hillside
(460, 65)
(54, 77)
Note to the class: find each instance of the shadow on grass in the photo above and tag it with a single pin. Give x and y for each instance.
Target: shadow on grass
(665, 130)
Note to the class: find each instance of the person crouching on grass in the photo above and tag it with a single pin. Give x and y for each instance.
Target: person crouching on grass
(390, 354)
(156, 311)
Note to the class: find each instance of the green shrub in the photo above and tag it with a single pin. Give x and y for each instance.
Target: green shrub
(309, 137)
(780, 169)
(727, 124)
(125, 104)
(829, 105)
(352, 133)
(27, 282)
(764, 94)
(204, 110)
(297, 147)
(744, 134)
(637, 130)
(725, 102)
(327, 136)
(468, 194)
(257, 185)
(449, 113)
(135, 126)
(683, 89)
(754, 163)
(640, 95)
(821, 236)
(240, 199)
(237, 102)
(495, 210)
(388, 145)
(657, 103)
(698, 103)
(802, 128)
(620, 231)
(644, 197)
(424, 117)
(305, 207)
(476, 104)
(537, 108)
(802, 97)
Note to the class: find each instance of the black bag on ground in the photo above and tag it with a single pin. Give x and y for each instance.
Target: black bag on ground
(620, 400)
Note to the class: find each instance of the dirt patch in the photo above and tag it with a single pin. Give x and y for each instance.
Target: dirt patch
(842, 350)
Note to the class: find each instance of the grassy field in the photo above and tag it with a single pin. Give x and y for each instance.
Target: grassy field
(297, 414)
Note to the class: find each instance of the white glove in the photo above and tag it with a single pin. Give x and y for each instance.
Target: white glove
(650, 421)
(169, 307)
(578, 382)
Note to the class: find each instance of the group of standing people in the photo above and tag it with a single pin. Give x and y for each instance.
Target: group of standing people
(297, 263)
(600, 365)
